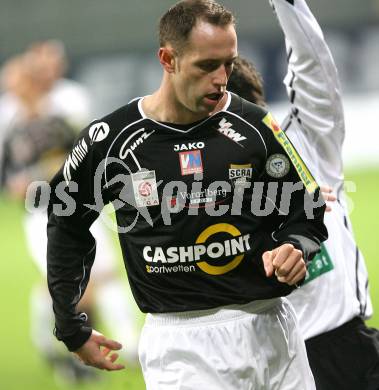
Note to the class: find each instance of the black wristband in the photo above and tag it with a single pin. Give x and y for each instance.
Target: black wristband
(76, 340)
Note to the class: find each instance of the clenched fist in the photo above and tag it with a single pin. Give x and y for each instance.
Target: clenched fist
(287, 262)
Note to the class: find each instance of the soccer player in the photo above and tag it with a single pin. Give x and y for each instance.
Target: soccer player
(334, 299)
(217, 217)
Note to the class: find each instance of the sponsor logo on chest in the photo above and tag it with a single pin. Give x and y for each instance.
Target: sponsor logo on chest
(239, 174)
(237, 171)
(212, 257)
(195, 198)
(226, 129)
(191, 162)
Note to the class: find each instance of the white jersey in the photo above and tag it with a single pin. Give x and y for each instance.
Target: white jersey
(336, 287)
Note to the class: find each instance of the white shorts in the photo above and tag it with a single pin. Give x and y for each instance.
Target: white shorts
(256, 346)
(36, 238)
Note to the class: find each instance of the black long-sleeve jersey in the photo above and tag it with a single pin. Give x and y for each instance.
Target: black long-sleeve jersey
(196, 206)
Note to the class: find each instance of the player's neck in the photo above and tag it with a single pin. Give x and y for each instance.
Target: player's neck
(162, 107)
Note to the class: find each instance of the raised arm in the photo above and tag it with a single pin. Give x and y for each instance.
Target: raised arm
(312, 80)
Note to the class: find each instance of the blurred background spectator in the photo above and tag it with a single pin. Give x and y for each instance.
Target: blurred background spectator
(41, 114)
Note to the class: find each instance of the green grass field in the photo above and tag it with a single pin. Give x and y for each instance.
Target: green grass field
(21, 367)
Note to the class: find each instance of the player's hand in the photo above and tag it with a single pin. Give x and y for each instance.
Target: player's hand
(328, 195)
(287, 262)
(91, 353)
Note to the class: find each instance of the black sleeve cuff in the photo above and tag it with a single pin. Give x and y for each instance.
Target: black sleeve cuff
(76, 340)
(308, 247)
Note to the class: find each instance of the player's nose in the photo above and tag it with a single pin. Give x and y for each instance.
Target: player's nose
(221, 77)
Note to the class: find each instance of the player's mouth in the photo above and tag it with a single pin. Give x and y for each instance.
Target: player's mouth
(214, 98)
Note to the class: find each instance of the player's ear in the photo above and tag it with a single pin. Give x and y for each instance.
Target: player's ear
(167, 58)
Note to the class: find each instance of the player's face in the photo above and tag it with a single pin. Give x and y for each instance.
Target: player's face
(204, 66)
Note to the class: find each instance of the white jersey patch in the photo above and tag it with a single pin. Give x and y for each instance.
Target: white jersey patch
(145, 189)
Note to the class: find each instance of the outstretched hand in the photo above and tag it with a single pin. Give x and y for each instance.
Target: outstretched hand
(96, 352)
(287, 262)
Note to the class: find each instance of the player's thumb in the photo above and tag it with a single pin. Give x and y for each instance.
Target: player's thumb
(267, 258)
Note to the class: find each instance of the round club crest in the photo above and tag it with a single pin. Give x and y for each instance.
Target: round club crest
(277, 165)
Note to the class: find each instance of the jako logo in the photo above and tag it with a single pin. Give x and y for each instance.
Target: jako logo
(98, 132)
(190, 162)
(190, 146)
(226, 129)
(76, 156)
